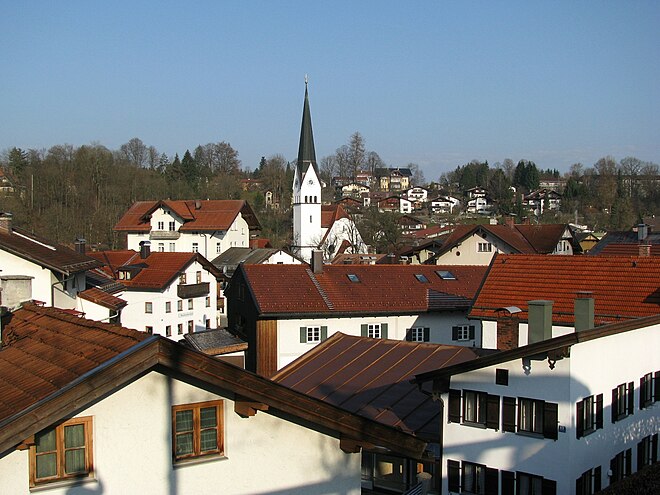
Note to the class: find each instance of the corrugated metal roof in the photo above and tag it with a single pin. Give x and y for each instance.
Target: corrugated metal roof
(371, 378)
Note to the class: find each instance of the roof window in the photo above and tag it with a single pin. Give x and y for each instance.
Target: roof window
(445, 275)
(421, 278)
(353, 277)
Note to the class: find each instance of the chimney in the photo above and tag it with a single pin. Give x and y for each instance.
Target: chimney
(80, 246)
(509, 221)
(642, 231)
(5, 222)
(198, 204)
(317, 261)
(584, 311)
(539, 321)
(644, 250)
(145, 249)
(507, 331)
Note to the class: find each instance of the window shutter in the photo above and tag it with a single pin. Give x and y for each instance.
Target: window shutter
(549, 487)
(492, 478)
(508, 483)
(615, 402)
(493, 412)
(597, 481)
(303, 335)
(642, 382)
(654, 448)
(550, 419)
(509, 414)
(579, 420)
(383, 330)
(363, 330)
(578, 486)
(454, 411)
(453, 476)
(427, 334)
(640, 455)
(628, 462)
(599, 411)
(324, 333)
(471, 332)
(615, 472)
(631, 397)
(454, 333)
(409, 334)
(656, 387)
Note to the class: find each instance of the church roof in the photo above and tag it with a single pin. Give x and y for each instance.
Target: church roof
(306, 152)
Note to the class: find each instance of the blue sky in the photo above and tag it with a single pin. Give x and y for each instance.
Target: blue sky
(430, 82)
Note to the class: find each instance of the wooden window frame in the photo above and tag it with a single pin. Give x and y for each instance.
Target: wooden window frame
(87, 423)
(418, 334)
(196, 408)
(623, 401)
(589, 415)
(148, 307)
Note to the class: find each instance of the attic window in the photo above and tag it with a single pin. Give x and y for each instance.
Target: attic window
(421, 278)
(353, 277)
(124, 275)
(446, 275)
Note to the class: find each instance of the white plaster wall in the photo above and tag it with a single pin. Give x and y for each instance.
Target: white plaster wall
(94, 311)
(133, 441)
(306, 233)
(283, 258)
(469, 254)
(290, 348)
(133, 315)
(490, 333)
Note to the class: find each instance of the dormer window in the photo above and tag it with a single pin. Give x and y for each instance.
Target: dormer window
(124, 275)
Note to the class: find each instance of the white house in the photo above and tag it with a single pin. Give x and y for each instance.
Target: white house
(119, 411)
(444, 204)
(480, 205)
(164, 293)
(283, 311)
(564, 415)
(207, 227)
(542, 200)
(33, 267)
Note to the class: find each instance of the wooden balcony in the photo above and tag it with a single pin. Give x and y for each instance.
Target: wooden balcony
(164, 235)
(189, 291)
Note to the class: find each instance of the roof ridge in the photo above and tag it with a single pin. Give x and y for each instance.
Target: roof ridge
(322, 292)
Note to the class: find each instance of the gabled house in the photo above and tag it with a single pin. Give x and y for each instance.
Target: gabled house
(639, 241)
(165, 293)
(410, 224)
(36, 268)
(354, 190)
(394, 204)
(612, 289)
(207, 227)
(372, 378)
(476, 244)
(443, 204)
(283, 311)
(542, 200)
(480, 204)
(393, 179)
(97, 408)
(565, 415)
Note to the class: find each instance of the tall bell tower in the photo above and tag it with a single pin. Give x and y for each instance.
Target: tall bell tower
(307, 231)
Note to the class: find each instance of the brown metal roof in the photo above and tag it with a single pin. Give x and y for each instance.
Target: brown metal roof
(371, 378)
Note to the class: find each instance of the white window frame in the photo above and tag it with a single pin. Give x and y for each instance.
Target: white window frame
(374, 331)
(313, 335)
(417, 334)
(485, 247)
(463, 332)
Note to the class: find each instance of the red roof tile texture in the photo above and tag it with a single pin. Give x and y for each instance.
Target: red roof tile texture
(371, 378)
(622, 287)
(330, 214)
(197, 215)
(380, 288)
(45, 349)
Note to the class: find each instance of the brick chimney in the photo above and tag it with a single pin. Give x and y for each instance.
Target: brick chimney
(509, 221)
(5, 222)
(507, 330)
(644, 250)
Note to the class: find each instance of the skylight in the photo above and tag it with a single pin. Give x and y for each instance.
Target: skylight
(446, 275)
(422, 278)
(353, 277)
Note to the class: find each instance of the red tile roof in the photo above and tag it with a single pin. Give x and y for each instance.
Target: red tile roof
(622, 287)
(331, 213)
(211, 215)
(44, 349)
(371, 378)
(627, 249)
(382, 289)
(103, 298)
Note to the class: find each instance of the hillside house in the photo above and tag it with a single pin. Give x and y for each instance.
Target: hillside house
(542, 200)
(393, 179)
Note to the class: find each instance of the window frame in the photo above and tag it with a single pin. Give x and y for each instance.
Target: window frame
(60, 450)
(374, 331)
(148, 307)
(534, 416)
(478, 477)
(588, 415)
(463, 333)
(168, 306)
(485, 247)
(196, 408)
(418, 334)
(623, 401)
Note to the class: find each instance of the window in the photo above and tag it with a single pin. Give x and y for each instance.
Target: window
(530, 416)
(190, 304)
(149, 329)
(589, 483)
(445, 275)
(418, 334)
(534, 417)
(168, 306)
(502, 377)
(473, 478)
(62, 452)
(353, 278)
(208, 301)
(161, 247)
(198, 430)
(462, 332)
(623, 401)
(476, 409)
(484, 247)
(421, 278)
(179, 305)
(179, 328)
(182, 278)
(195, 247)
(148, 307)
(373, 330)
(172, 226)
(172, 247)
(191, 326)
(649, 389)
(529, 484)
(621, 465)
(198, 277)
(647, 451)
(311, 335)
(208, 324)
(161, 225)
(589, 415)
(218, 248)
(168, 331)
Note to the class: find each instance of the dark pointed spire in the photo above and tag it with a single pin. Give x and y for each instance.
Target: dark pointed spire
(306, 153)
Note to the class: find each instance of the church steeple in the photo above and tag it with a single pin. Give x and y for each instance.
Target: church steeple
(306, 152)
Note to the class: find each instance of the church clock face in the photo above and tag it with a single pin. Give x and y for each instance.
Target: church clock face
(310, 182)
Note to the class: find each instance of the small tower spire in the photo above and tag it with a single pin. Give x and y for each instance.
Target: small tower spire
(306, 152)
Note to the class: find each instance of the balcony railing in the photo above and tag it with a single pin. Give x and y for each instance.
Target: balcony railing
(188, 291)
(164, 235)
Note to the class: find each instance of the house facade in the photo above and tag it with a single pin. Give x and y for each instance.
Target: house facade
(207, 227)
(562, 415)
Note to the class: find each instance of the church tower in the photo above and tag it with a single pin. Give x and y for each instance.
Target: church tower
(307, 231)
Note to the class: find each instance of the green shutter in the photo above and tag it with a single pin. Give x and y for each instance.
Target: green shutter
(303, 335)
(383, 330)
(363, 330)
(324, 333)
